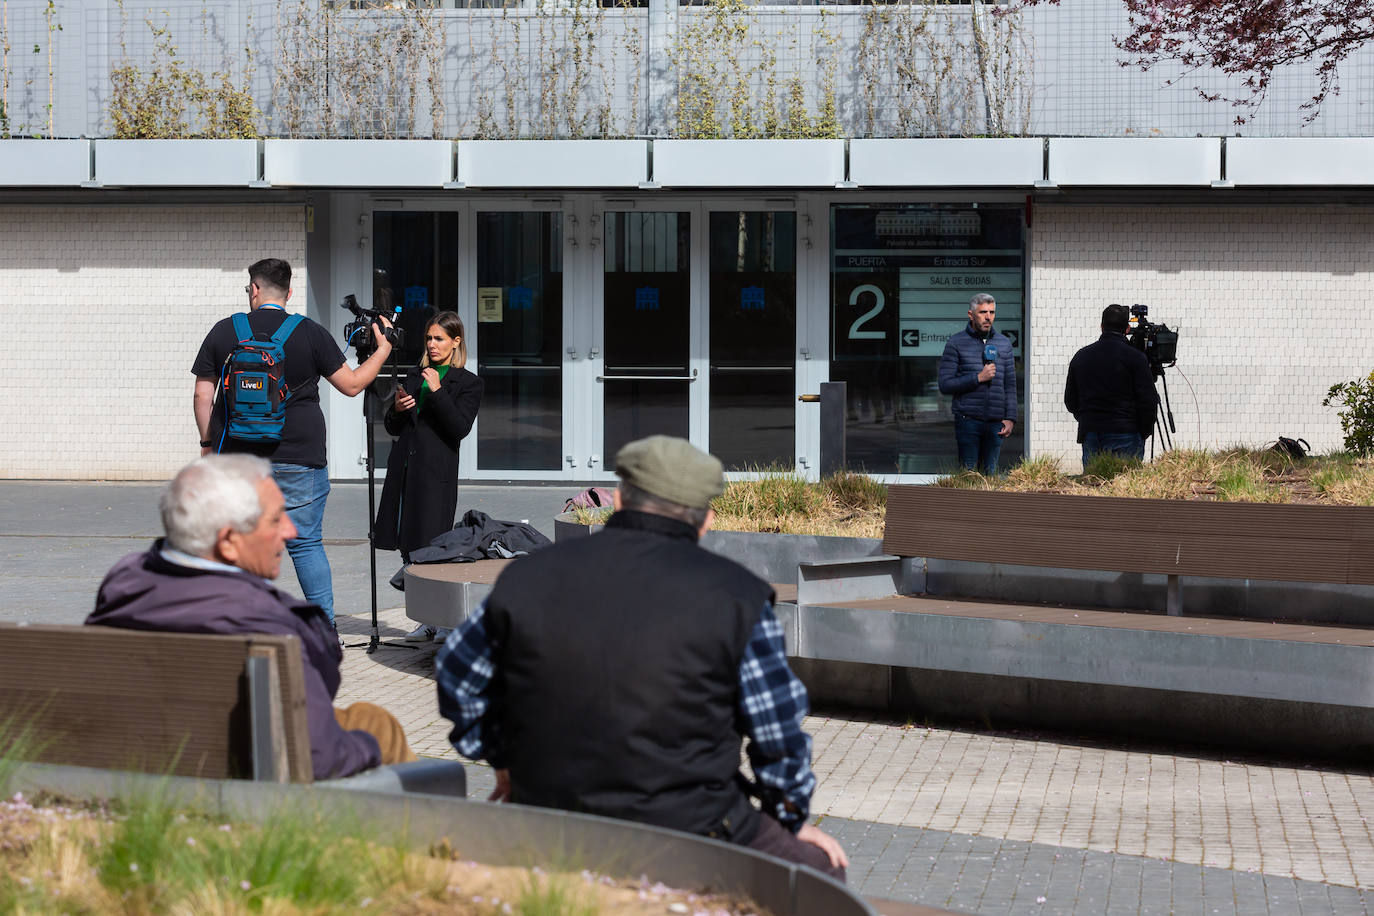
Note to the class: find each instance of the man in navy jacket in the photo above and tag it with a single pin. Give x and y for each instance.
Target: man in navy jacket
(978, 369)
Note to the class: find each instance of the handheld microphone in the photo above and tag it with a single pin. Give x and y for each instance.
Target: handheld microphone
(420, 380)
(989, 353)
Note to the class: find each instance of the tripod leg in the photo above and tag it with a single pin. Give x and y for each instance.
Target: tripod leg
(1168, 407)
(369, 416)
(371, 515)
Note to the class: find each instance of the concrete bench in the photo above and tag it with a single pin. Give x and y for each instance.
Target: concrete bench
(1210, 676)
(210, 707)
(445, 594)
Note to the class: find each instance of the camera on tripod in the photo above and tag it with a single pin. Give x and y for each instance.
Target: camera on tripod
(1156, 341)
(358, 334)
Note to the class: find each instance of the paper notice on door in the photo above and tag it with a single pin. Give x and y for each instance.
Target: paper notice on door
(488, 303)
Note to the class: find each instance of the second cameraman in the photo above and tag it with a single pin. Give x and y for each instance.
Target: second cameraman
(1110, 391)
(431, 413)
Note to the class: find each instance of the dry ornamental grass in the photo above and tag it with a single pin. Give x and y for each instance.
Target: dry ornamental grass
(777, 502)
(854, 505)
(151, 859)
(1228, 475)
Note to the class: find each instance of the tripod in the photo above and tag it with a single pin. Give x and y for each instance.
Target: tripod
(1164, 411)
(369, 420)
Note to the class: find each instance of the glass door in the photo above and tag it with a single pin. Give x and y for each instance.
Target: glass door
(752, 290)
(414, 275)
(699, 332)
(647, 325)
(519, 338)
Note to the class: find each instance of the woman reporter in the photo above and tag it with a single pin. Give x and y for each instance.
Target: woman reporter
(420, 496)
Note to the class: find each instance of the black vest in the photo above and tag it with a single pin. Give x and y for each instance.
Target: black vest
(617, 659)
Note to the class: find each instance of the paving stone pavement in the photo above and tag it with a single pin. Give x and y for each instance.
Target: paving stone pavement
(988, 822)
(972, 820)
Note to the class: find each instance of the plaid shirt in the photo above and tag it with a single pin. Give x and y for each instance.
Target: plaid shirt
(769, 708)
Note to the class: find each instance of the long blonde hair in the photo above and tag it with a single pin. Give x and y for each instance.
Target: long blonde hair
(452, 325)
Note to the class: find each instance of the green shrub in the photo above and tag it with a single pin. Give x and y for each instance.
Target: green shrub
(554, 895)
(142, 858)
(965, 479)
(771, 495)
(1040, 473)
(19, 742)
(855, 491)
(1357, 414)
(1244, 482)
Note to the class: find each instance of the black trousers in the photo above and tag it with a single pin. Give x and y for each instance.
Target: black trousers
(776, 840)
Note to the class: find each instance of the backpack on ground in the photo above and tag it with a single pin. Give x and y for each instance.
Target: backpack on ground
(253, 385)
(590, 498)
(1296, 449)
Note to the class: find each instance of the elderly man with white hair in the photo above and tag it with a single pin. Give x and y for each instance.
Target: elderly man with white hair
(226, 527)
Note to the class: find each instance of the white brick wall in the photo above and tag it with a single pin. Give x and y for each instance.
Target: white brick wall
(1273, 306)
(104, 308)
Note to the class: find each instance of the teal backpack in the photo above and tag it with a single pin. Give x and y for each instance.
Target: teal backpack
(253, 385)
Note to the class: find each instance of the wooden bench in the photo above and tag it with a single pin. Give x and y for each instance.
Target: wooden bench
(928, 646)
(1174, 538)
(212, 707)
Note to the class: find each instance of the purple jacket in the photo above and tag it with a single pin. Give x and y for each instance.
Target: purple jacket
(144, 591)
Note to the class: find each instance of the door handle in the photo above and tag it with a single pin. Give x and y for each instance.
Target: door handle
(751, 368)
(648, 378)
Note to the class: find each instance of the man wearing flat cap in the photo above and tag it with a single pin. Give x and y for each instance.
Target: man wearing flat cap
(617, 674)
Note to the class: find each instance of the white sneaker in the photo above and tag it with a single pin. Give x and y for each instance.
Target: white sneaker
(423, 633)
(441, 634)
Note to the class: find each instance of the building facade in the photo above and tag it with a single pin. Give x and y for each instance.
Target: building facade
(617, 287)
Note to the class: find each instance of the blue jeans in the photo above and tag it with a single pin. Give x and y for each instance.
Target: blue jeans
(305, 490)
(979, 443)
(1127, 445)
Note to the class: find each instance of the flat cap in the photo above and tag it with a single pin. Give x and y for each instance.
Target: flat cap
(672, 469)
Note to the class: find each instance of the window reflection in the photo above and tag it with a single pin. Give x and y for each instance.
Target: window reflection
(901, 279)
(519, 332)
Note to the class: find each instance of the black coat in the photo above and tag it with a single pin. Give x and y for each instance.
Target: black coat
(420, 496)
(1110, 388)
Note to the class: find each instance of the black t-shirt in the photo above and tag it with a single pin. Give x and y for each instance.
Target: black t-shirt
(310, 355)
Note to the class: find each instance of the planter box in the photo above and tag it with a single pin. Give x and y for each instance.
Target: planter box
(182, 163)
(991, 162)
(501, 835)
(1135, 161)
(566, 527)
(358, 163)
(1332, 544)
(553, 163)
(749, 163)
(772, 557)
(1300, 161)
(44, 163)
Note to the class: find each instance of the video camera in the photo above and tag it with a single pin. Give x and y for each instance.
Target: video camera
(358, 334)
(1156, 341)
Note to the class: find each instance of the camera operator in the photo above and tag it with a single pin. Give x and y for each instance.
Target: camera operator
(298, 459)
(1110, 391)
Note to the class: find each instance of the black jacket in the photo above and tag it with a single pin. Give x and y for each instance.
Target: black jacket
(420, 496)
(618, 663)
(1110, 388)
